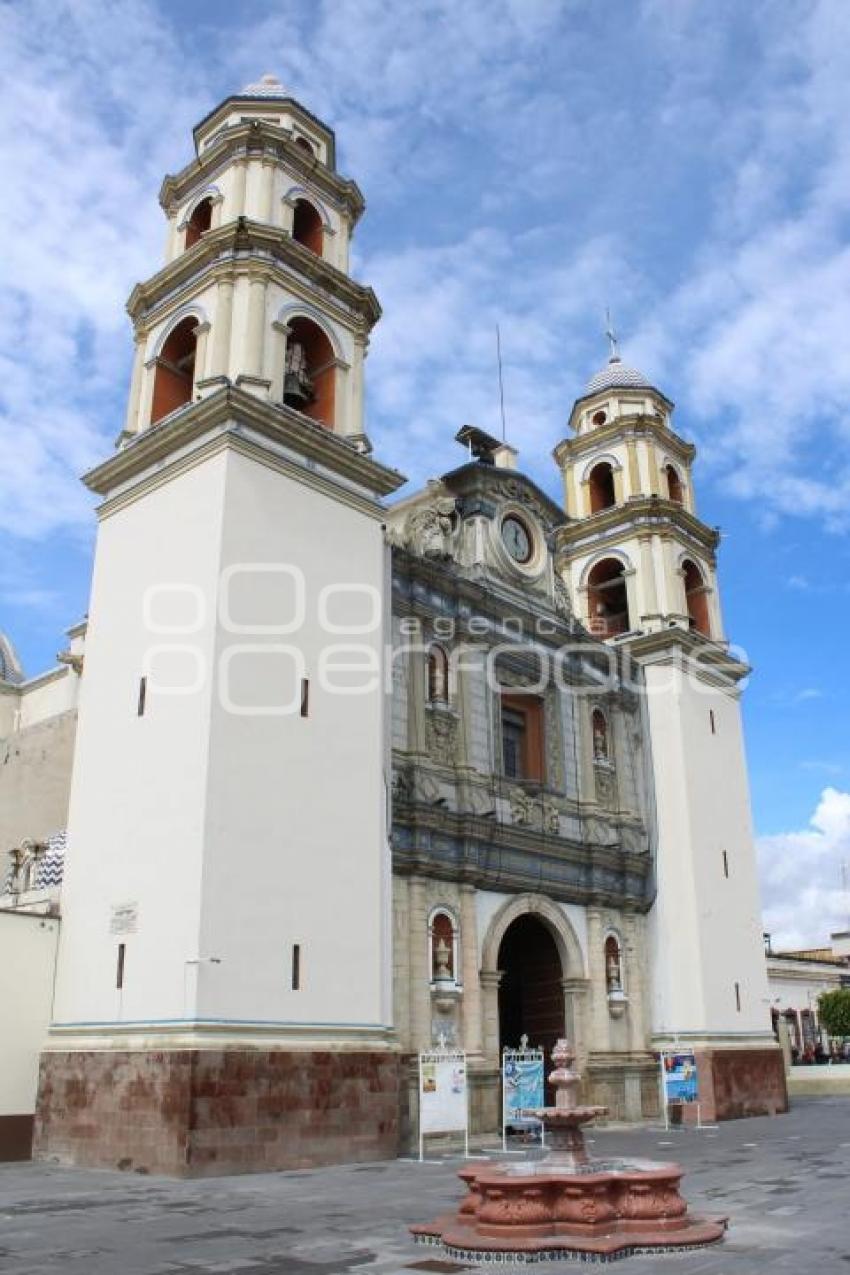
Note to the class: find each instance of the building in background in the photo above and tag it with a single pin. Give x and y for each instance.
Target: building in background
(351, 778)
(796, 979)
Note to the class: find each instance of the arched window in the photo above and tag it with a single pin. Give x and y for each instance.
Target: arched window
(175, 370)
(613, 966)
(438, 676)
(305, 145)
(674, 485)
(607, 603)
(601, 484)
(309, 377)
(696, 598)
(600, 735)
(307, 227)
(443, 948)
(200, 220)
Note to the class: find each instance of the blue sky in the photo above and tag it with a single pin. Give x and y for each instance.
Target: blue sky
(524, 163)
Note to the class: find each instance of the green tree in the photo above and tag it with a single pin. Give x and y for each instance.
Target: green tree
(834, 1011)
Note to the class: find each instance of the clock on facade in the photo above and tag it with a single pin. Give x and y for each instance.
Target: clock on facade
(516, 538)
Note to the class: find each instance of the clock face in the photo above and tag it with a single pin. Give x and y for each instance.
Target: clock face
(516, 538)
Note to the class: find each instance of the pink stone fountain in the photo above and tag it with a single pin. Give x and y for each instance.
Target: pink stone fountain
(567, 1205)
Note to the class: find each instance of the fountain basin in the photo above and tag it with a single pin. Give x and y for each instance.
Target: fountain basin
(602, 1210)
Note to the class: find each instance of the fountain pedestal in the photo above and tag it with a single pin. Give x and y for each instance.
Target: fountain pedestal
(568, 1204)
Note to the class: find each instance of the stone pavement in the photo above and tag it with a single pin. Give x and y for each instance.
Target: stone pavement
(783, 1182)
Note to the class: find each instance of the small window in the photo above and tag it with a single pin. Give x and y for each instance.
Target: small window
(738, 997)
(200, 221)
(599, 418)
(522, 737)
(305, 145)
(119, 970)
(725, 864)
(601, 484)
(438, 676)
(143, 694)
(711, 721)
(307, 227)
(296, 967)
(674, 485)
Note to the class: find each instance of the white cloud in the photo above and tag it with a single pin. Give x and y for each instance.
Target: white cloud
(801, 876)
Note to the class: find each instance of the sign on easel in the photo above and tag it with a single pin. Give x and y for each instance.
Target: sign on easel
(522, 1086)
(443, 1095)
(679, 1082)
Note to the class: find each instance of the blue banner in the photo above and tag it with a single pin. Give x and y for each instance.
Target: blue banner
(680, 1077)
(523, 1082)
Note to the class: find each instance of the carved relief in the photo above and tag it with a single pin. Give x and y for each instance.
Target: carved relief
(429, 530)
(522, 806)
(441, 736)
(606, 785)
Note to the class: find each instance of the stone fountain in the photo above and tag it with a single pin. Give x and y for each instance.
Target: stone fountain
(566, 1204)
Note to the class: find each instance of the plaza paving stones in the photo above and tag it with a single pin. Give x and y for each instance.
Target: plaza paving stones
(783, 1182)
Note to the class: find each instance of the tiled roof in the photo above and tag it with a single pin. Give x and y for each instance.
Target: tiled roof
(267, 86)
(616, 375)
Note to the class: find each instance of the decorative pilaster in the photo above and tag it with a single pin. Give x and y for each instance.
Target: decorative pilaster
(420, 990)
(131, 421)
(472, 1001)
(490, 980)
(223, 322)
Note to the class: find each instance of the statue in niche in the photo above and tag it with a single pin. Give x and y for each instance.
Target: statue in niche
(298, 388)
(613, 966)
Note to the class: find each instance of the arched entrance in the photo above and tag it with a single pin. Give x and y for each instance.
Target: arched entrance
(531, 992)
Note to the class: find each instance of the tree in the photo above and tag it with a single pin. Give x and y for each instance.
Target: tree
(834, 1011)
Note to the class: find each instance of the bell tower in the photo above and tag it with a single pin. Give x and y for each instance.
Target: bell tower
(641, 568)
(223, 995)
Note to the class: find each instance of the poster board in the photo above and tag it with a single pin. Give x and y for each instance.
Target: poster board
(679, 1082)
(443, 1094)
(679, 1076)
(522, 1086)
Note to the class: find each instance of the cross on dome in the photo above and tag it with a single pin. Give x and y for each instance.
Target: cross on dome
(615, 374)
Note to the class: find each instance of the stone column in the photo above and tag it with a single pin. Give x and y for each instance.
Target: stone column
(221, 327)
(420, 974)
(570, 491)
(490, 980)
(599, 1020)
(654, 476)
(201, 334)
(472, 1002)
(278, 367)
(240, 187)
(634, 471)
(619, 494)
(647, 569)
(575, 1016)
(267, 186)
(255, 327)
(132, 424)
(584, 499)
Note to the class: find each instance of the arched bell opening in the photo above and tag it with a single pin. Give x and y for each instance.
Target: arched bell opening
(601, 484)
(310, 373)
(307, 228)
(175, 370)
(696, 598)
(200, 220)
(674, 485)
(531, 994)
(607, 599)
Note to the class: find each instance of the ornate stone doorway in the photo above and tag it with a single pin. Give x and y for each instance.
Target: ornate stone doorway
(531, 991)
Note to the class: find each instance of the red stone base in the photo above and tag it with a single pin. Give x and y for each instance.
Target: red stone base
(741, 1082)
(534, 1213)
(197, 1113)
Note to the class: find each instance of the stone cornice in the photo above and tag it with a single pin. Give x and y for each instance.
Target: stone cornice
(275, 422)
(620, 429)
(256, 138)
(491, 855)
(698, 656)
(251, 245)
(640, 514)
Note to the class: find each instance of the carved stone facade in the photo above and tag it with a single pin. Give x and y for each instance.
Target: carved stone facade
(565, 846)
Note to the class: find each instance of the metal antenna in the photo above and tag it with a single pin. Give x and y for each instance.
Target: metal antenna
(614, 352)
(501, 384)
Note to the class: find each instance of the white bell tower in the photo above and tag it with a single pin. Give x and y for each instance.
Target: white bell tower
(641, 567)
(223, 999)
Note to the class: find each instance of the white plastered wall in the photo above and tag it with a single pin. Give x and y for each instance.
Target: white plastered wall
(27, 962)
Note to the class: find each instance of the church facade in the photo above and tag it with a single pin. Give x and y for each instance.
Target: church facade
(352, 776)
